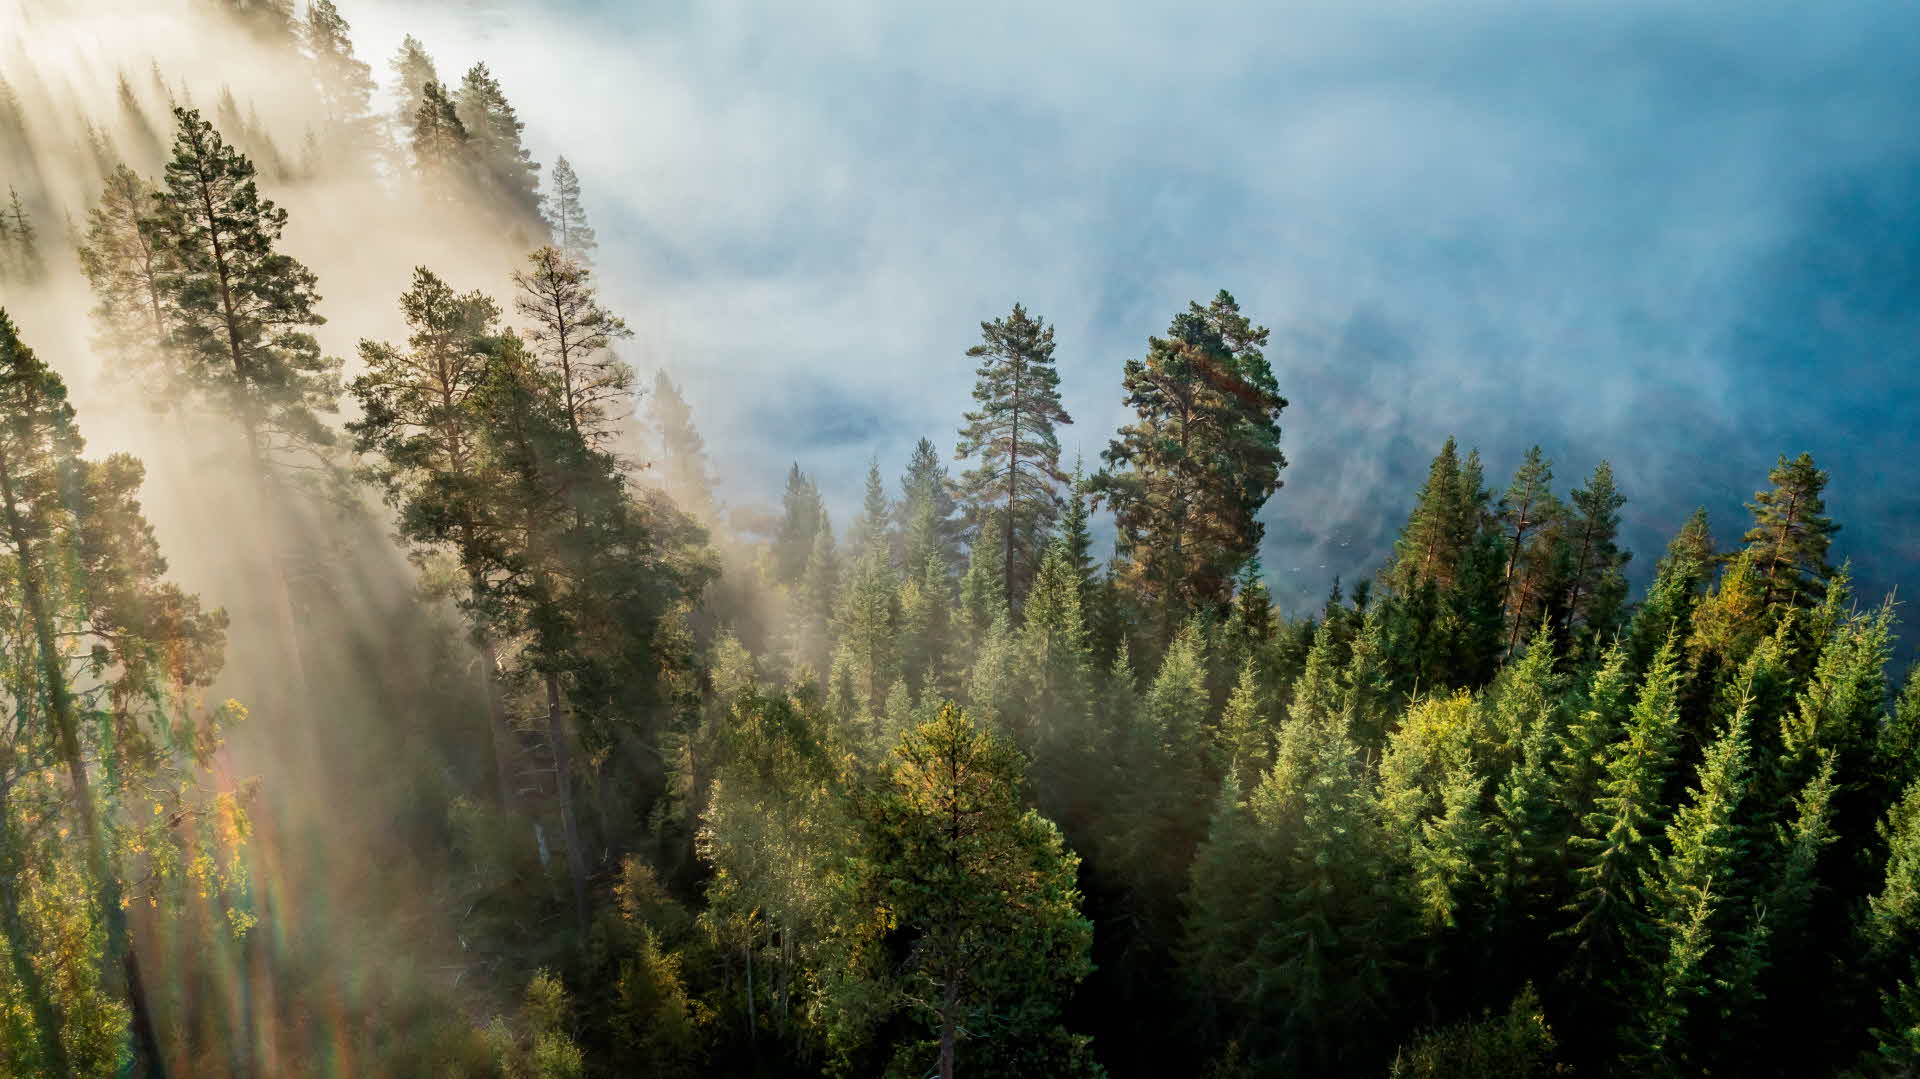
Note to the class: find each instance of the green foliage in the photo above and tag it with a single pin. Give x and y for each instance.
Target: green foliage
(1516, 1045)
(1187, 478)
(1012, 433)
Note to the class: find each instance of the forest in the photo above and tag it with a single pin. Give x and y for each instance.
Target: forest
(476, 734)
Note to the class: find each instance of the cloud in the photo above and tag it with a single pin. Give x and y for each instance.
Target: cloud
(1678, 237)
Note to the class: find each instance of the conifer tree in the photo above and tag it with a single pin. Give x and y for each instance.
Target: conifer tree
(802, 516)
(866, 626)
(506, 170)
(421, 422)
(88, 573)
(926, 627)
(22, 237)
(413, 72)
(1791, 533)
(574, 335)
(345, 81)
(1246, 737)
(871, 529)
(1525, 512)
(239, 313)
(239, 310)
(1053, 667)
(1528, 838)
(1445, 516)
(684, 469)
(571, 233)
(1694, 897)
(1012, 433)
(1312, 952)
(1599, 586)
(1187, 480)
(925, 511)
(127, 265)
(439, 141)
(985, 892)
(1615, 847)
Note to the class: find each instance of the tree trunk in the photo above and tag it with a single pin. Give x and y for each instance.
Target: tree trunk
(563, 787)
(497, 720)
(949, 1028)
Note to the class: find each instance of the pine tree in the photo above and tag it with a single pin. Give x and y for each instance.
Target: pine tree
(1791, 533)
(685, 472)
(127, 265)
(571, 233)
(89, 574)
(238, 309)
(1525, 511)
(22, 237)
(1897, 745)
(421, 425)
(1303, 963)
(866, 627)
(574, 335)
(1529, 729)
(345, 81)
(1187, 480)
(507, 170)
(238, 313)
(413, 71)
(1012, 433)
(439, 141)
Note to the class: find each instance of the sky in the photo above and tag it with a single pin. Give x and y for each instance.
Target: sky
(1684, 238)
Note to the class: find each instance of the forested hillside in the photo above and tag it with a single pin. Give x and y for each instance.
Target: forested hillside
(472, 732)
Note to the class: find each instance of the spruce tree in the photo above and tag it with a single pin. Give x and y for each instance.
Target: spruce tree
(1792, 533)
(802, 516)
(1697, 911)
(925, 511)
(1615, 847)
(1445, 516)
(571, 233)
(1188, 478)
(985, 894)
(1012, 434)
(1599, 587)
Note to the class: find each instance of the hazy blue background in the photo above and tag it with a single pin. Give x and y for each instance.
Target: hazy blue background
(1682, 237)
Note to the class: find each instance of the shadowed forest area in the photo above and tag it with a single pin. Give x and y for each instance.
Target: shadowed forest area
(390, 691)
